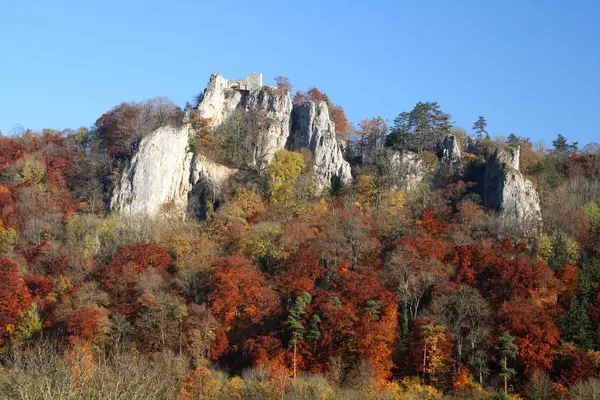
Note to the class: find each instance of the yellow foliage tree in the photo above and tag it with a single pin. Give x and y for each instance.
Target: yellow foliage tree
(28, 324)
(365, 189)
(8, 240)
(544, 247)
(282, 174)
(33, 170)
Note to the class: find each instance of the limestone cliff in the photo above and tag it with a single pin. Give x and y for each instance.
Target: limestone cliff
(397, 169)
(220, 100)
(164, 175)
(505, 189)
(157, 178)
(312, 128)
(451, 154)
(209, 179)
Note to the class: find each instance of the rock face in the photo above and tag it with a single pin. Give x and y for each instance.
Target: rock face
(209, 179)
(509, 192)
(510, 156)
(398, 169)
(223, 97)
(408, 168)
(451, 154)
(164, 175)
(158, 177)
(312, 128)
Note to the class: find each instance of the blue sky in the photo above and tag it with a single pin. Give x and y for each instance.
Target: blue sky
(530, 67)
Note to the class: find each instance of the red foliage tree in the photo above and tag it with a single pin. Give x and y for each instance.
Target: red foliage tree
(358, 321)
(316, 95)
(300, 272)
(338, 116)
(241, 294)
(536, 333)
(10, 151)
(464, 258)
(88, 323)
(569, 277)
(266, 351)
(119, 277)
(501, 278)
(240, 298)
(572, 365)
(431, 224)
(8, 213)
(14, 297)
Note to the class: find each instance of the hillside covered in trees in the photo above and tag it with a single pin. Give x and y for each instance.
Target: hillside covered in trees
(254, 245)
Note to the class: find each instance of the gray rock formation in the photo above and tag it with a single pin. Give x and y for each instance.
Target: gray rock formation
(158, 176)
(312, 128)
(451, 154)
(222, 98)
(396, 169)
(209, 179)
(407, 169)
(509, 192)
(510, 156)
(164, 175)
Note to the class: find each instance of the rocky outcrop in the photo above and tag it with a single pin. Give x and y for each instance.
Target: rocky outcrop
(451, 154)
(220, 101)
(396, 169)
(209, 178)
(509, 192)
(158, 176)
(164, 175)
(509, 156)
(306, 125)
(407, 169)
(312, 128)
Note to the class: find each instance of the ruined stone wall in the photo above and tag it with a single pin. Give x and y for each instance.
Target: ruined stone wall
(251, 82)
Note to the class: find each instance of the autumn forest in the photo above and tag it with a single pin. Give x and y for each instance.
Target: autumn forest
(277, 290)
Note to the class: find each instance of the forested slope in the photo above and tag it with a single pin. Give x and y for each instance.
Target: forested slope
(296, 261)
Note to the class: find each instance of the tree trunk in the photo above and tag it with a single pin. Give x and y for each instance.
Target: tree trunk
(505, 378)
(295, 344)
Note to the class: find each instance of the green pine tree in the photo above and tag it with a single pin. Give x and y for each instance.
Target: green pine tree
(421, 129)
(576, 326)
(314, 333)
(294, 322)
(560, 144)
(513, 141)
(480, 128)
(507, 348)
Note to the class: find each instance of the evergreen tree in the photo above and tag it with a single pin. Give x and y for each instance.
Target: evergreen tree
(314, 332)
(513, 141)
(480, 128)
(576, 326)
(421, 129)
(507, 348)
(574, 147)
(294, 322)
(560, 144)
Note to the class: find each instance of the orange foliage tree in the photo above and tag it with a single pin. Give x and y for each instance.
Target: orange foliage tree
(14, 297)
(240, 298)
(119, 277)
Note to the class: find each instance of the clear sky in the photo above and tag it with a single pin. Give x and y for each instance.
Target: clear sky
(530, 67)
